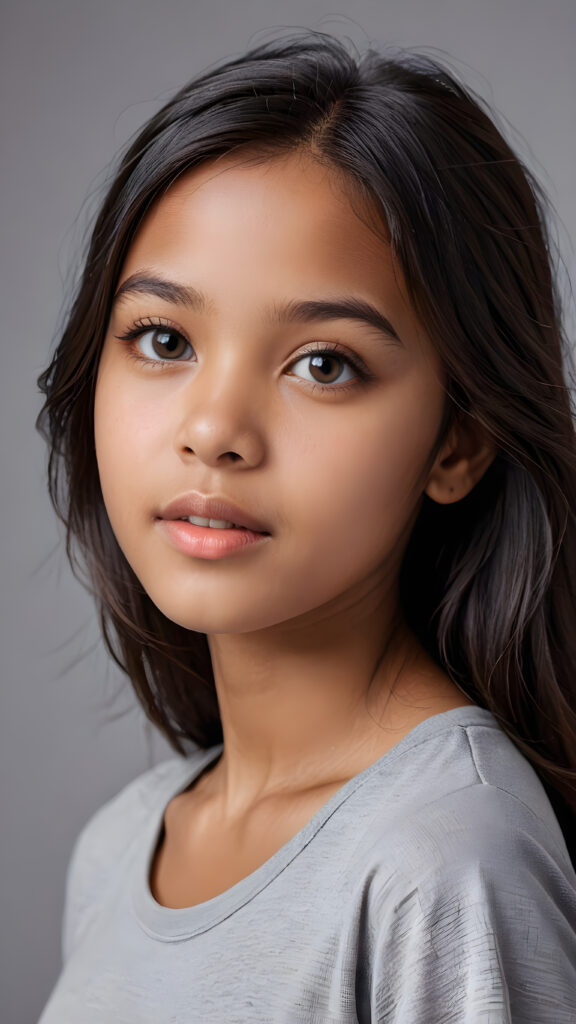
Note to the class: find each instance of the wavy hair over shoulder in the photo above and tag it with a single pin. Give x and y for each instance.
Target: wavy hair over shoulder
(487, 583)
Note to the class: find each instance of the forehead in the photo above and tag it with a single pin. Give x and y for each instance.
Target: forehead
(284, 204)
(253, 178)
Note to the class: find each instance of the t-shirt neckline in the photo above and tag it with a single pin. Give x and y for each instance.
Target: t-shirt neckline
(174, 924)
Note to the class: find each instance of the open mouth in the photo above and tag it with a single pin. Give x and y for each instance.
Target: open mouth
(215, 524)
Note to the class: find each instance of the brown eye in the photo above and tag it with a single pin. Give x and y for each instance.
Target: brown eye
(164, 343)
(326, 367)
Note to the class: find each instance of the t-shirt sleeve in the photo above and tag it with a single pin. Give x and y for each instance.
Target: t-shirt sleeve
(485, 936)
(102, 842)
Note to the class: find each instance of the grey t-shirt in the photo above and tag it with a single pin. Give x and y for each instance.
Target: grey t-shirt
(434, 887)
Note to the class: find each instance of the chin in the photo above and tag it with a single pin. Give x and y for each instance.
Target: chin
(196, 617)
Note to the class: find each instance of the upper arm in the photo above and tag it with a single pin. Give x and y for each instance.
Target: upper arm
(479, 938)
(77, 894)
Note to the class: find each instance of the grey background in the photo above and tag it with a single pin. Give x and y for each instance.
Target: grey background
(77, 79)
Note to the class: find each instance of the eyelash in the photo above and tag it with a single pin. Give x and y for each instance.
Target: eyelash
(317, 348)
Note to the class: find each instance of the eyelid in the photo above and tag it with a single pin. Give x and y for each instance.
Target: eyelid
(150, 323)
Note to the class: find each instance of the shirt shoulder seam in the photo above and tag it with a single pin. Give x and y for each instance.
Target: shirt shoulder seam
(490, 785)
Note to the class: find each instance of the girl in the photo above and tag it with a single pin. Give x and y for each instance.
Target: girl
(312, 440)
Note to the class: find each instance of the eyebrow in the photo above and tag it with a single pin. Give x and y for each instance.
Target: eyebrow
(304, 311)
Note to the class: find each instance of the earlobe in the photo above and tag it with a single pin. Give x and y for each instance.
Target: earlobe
(461, 462)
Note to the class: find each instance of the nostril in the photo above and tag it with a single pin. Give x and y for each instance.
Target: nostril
(233, 456)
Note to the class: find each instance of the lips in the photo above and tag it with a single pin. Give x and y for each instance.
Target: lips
(195, 504)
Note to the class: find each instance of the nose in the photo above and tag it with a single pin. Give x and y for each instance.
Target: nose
(220, 420)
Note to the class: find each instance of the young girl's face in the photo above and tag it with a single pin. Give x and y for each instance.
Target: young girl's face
(329, 450)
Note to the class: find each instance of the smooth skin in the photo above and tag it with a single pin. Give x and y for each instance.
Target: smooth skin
(317, 675)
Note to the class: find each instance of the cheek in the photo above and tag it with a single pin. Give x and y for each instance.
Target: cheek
(358, 472)
(125, 428)
(127, 405)
(110, 436)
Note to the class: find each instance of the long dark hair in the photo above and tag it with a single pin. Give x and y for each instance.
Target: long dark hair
(487, 583)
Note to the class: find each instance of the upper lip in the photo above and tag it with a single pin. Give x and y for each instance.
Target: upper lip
(196, 504)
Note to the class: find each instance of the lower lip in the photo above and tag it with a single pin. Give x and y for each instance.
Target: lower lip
(207, 541)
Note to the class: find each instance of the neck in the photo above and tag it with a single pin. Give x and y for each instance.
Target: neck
(303, 705)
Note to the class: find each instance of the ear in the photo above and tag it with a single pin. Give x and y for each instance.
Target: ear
(461, 462)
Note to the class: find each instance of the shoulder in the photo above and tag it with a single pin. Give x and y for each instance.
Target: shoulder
(106, 839)
(463, 779)
(463, 793)
(110, 828)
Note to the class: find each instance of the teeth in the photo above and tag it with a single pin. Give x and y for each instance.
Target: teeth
(215, 524)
